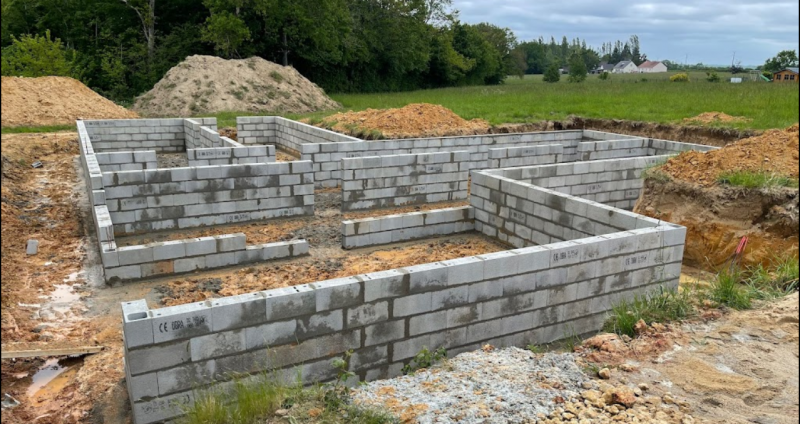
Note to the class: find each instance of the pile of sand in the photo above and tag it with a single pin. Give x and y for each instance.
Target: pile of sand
(54, 101)
(208, 84)
(774, 151)
(715, 118)
(414, 120)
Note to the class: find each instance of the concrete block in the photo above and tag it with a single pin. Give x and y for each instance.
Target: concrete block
(499, 264)
(238, 311)
(230, 242)
(384, 284)
(189, 264)
(426, 277)
(217, 344)
(141, 361)
(320, 324)
(32, 247)
(186, 377)
(270, 334)
(412, 305)
(137, 327)
(162, 408)
(366, 314)
(137, 254)
(464, 270)
(337, 293)
(290, 302)
(181, 322)
(169, 250)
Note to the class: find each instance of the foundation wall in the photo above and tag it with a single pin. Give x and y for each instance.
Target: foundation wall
(192, 132)
(525, 156)
(613, 149)
(153, 200)
(181, 256)
(386, 181)
(667, 147)
(531, 295)
(231, 155)
(161, 135)
(127, 161)
(408, 226)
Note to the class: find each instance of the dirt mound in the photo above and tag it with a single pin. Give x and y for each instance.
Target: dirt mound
(54, 101)
(208, 84)
(774, 151)
(715, 118)
(414, 120)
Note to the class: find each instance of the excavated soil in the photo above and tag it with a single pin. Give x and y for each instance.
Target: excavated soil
(54, 101)
(715, 118)
(208, 84)
(774, 151)
(718, 216)
(414, 120)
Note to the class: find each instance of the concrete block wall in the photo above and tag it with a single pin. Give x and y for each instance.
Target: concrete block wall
(127, 161)
(523, 214)
(531, 295)
(231, 155)
(397, 180)
(667, 147)
(505, 157)
(407, 226)
(284, 132)
(602, 135)
(188, 255)
(192, 131)
(614, 182)
(613, 149)
(161, 135)
(327, 156)
(161, 199)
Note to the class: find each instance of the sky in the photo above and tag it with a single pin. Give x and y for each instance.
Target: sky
(707, 31)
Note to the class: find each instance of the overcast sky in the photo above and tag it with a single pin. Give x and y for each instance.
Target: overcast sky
(708, 31)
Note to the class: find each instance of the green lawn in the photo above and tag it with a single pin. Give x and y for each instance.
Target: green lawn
(768, 105)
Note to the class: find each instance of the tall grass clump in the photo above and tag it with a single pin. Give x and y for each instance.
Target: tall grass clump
(727, 289)
(776, 281)
(756, 179)
(664, 305)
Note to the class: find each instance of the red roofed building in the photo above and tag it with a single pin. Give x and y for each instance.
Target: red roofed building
(652, 67)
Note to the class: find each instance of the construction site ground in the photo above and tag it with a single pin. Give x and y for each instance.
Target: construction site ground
(723, 366)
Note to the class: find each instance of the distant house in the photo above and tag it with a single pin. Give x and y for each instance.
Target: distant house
(625, 67)
(787, 75)
(652, 67)
(603, 67)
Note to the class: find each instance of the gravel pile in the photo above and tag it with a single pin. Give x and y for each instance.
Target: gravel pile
(491, 386)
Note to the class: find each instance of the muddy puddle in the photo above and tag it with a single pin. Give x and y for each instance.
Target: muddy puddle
(51, 378)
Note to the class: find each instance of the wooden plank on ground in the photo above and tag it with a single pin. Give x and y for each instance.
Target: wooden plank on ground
(10, 353)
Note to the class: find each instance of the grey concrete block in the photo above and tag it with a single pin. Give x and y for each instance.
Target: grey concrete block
(230, 242)
(169, 250)
(290, 302)
(137, 327)
(366, 314)
(238, 311)
(320, 324)
(217, 344)
(162, 408)
(384, 284)
(270, 334)
(426, 277)
(412, 305)
(185, 377)
(181, 322)
(149, 359)
(337, 293)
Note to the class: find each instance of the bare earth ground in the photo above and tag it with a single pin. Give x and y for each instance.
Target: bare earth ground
(730, 367)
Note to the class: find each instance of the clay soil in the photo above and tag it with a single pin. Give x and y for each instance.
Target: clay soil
(774, 151)
(414, 120)
(208, 84)
(707, 118)
(54, 101)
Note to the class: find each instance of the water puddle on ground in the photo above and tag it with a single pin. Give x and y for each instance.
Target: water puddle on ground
(51, 377)
(64, 295)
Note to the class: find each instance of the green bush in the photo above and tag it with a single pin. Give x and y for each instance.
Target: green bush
(712, 77)
(424, 359)
(552, 74)
(682, 77)
(605, 76)
(36, 56)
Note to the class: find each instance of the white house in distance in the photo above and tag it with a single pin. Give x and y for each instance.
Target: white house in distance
(625, 67)
(652, 67)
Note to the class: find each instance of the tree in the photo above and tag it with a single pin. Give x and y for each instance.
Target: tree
(552, 74)
(35, 56)
(783, 60)
(226, 31)
(146, 11)
(577, 69)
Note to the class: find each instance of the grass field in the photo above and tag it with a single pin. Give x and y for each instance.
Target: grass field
(637, 97)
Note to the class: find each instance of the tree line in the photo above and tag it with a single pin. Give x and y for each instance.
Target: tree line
(121, 48)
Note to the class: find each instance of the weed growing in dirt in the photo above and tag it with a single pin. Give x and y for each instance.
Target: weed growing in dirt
(425, 358)
(571, 339)
(49, 128)
(726, 289)
(759, 179)
(276, 76)
(771, 283)
(663, 305)
(256, 399)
